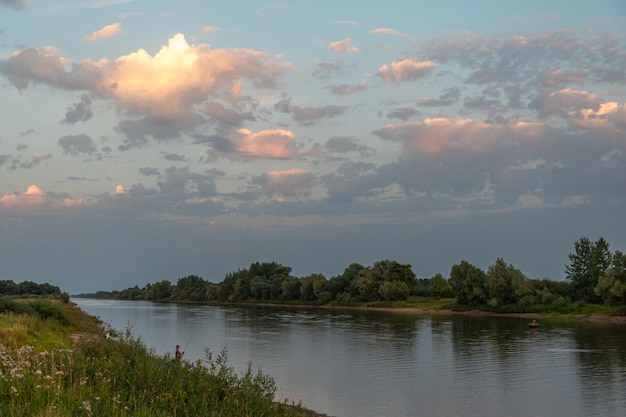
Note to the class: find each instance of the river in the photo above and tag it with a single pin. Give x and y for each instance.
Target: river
(354, 363)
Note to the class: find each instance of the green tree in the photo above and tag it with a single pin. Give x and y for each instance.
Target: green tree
(469, 284)
(440, 287)
(588, 263)
(611, 286)
(506, 284)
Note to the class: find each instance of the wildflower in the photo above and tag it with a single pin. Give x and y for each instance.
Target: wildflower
(14, 391)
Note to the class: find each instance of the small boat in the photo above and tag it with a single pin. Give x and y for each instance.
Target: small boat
(533, 325)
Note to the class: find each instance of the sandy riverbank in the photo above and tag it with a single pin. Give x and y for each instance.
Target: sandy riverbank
(594, 317)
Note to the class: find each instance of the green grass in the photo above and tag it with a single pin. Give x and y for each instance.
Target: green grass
(42, 373)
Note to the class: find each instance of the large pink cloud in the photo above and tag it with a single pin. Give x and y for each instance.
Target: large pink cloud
(34, 197)
(165, 86)
(441, 135)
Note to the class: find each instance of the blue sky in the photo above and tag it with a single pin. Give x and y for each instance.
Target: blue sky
(150, 140)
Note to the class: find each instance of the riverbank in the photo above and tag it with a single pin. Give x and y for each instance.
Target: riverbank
(589, 317)
(61, 363)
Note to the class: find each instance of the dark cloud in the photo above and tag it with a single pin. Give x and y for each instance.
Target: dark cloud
(227, 116)
(77, 144)
(310, 115)
(346, 89)
(173, 157)
(343, 144)
(447, 98)
(293, 183)
(46, 66)
(284, 104)
(403, 113)
(81, 112)
(326, 70)
(149, 171)
(13, 4)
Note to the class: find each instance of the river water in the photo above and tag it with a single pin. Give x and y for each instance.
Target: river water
(352, 363)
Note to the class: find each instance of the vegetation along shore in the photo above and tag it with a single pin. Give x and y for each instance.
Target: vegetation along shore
(55, 362)
(595, 286)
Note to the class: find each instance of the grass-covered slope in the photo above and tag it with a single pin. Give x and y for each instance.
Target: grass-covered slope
(54, 362)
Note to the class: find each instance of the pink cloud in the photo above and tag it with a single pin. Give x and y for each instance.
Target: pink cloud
(164, 87)
(343, 46)
(105, 33)
(271, 143)
(406, 69)
(440, 135)
(34, 197)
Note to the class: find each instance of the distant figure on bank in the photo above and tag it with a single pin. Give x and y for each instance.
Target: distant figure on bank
(103, 326)
(178, 354)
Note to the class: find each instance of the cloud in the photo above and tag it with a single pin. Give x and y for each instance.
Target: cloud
(80, 112)
(227, 116)
(405, 70)
(326, 70)
(343, 46)
(288, 183)
(209, 29)
(246, 145)
(439, 135)
(272, 143)
(346, 89)
(343, 144)
(348, 22)
(389, 31)
(403, 113)
(34, 197)
(310, 115)
(77, 144)
(13, 4)
(105, 33)
(165, 87)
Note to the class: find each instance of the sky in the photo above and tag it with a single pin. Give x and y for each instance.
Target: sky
(143, 140)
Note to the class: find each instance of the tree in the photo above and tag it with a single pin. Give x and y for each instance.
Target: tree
(588, 263)
(440, 287)
(506, 284)
(611, 286)
(469, 284)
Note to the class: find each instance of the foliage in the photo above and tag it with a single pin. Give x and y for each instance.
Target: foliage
(589, 280)
(506, 284)
(588, 263)
(469, 284)
(28, 288)
(611, 287)
(102, 377)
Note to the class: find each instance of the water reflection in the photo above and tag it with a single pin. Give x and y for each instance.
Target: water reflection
(362, 363)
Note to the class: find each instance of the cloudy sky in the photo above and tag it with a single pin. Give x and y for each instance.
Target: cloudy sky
(147, 140)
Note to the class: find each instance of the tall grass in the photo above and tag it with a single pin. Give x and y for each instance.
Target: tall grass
(121, 377)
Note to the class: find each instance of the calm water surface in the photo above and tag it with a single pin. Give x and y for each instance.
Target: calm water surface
(359, 363)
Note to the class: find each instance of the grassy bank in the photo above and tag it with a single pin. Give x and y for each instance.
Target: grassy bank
(59, 365)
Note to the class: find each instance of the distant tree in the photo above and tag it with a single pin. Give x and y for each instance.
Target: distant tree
(469, 284)
(588, 263)
(611, 287)
(394, 290)
(8, 287)
(506, 284)
(311, 287)
(440, 287)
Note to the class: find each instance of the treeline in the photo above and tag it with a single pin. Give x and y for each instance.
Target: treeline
(27, 289)
(595, 275)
